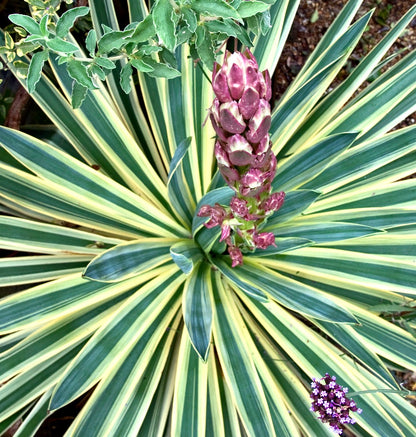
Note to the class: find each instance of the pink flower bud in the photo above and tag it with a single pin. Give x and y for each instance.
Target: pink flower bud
(220, 86)
(273, 202)
(225, 232)
(221, 155)
(214, 115)
(249, 102)
(251, 183)
(264, 240)
(239, 206)
(216, 213)
(259, 125)
(268, 92)
(239, 150)
(263, 145)
(235, 255)
(230, 118)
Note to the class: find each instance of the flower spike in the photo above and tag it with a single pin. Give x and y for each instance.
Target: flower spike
(241, 117)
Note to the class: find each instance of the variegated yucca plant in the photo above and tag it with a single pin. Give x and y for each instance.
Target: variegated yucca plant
(127, 292)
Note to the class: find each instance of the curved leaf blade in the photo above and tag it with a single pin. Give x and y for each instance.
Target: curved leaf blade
(129, 259)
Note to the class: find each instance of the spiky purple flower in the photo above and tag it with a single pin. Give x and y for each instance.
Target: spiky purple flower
(329, 400)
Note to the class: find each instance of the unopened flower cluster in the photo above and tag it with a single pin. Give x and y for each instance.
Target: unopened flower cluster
(240, 115)
(329, 400)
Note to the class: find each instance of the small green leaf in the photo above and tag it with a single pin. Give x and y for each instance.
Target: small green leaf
(230, 28)
(78, 71)
(26, 22)
(161, 70)
(35, 69)
(143, 31)
(105, 63)
(79, 92)
(141, 65)
(95, 69)
(189, 17)
(112, 40)
(215, 8)
(125, 76)
(9, 43)
(315, 16)
(43, 25)
(91, 41)
(62, 46)
(204, 47)
(248, 9)
(67, 20)
(163, 18)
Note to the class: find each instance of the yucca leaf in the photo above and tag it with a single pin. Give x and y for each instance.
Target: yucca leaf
(380, 218)
(398, 194)
(237, 364)
(311, 353)
(190, 392)
(136, 404)
(347, 337)
(62, 296)
(377, 105)
(386, 339)
(258, 281)
(35, 418)
(340, 46)
(268, 47)
(345, 267)
(32, 269)
(323, 232)
(178, 189)
(289, 114)
(296, 202)
(54, 165)
(129, 378)
(28, 386)
(310, 163)
(392, 244)
(283, 245)
(197, 311)
(186, 254)
(334, 101)
(222, 419)
(54, 201)
(363, 159)
(57, 335)
(28, 236)
(130, 330)
(129, 259)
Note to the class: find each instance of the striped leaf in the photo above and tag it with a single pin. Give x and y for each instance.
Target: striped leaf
(256, 280)
(237, 364)
(128, 259)
(197, 311)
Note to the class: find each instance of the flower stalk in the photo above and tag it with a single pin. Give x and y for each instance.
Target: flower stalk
(241, 117)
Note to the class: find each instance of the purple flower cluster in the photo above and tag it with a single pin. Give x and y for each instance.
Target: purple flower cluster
(329, 400)
(240, 115)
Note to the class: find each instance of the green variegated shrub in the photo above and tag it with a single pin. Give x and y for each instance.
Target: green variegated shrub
(126, 291)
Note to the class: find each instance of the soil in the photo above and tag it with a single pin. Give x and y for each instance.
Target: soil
(312, 20)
